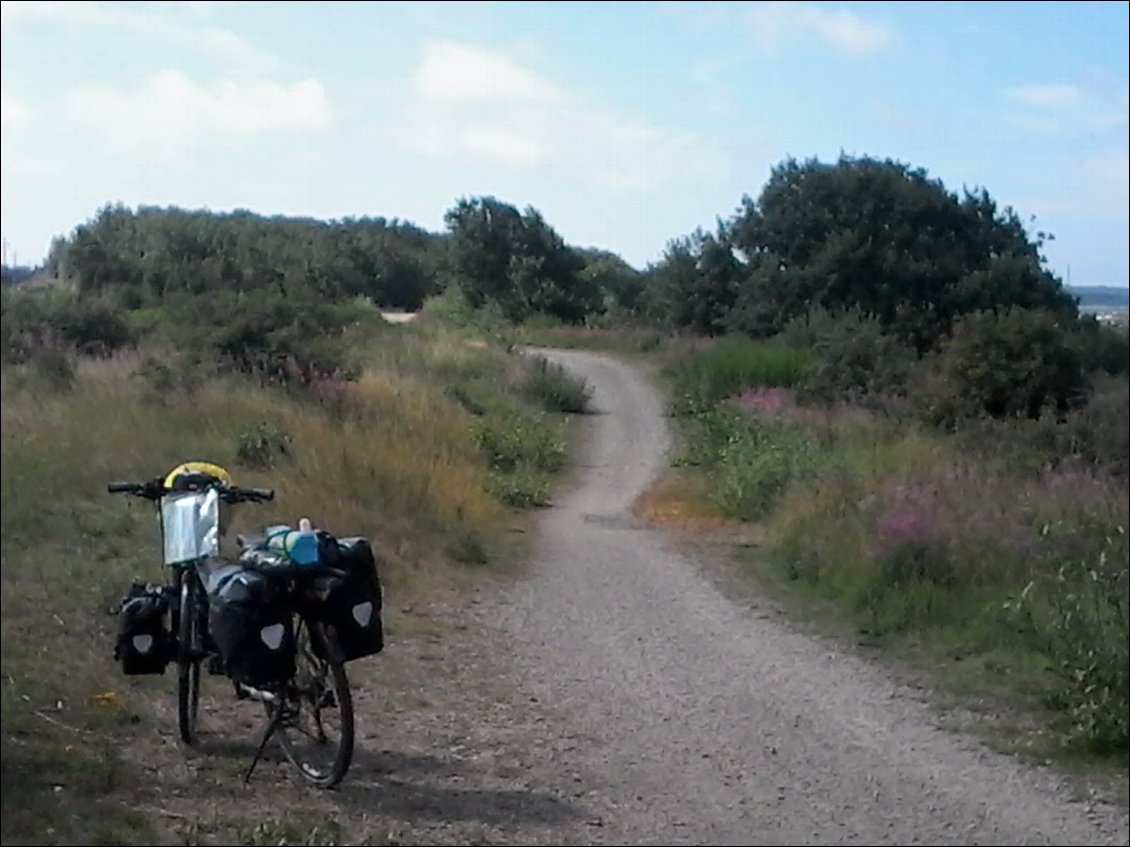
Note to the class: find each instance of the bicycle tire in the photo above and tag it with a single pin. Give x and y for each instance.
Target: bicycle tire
(308, 697)
(189, 643)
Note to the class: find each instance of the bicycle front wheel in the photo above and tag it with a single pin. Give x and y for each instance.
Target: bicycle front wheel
(190, 650)
(316, 726)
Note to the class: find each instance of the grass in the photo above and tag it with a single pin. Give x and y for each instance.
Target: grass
(724, 367)
(1009, 582)
(393, 456)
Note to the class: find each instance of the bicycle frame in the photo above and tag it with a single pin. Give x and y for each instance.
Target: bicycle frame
(191, 526)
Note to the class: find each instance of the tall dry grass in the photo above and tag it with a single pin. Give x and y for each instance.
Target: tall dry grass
(393, 456)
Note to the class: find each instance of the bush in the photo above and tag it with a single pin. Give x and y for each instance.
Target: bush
(726, 367)
(1079, 617)
(554, 388)
(263, 446)
(853, 357)
(749, 462)
(522, 441)
(1018, 363)
(58, 317)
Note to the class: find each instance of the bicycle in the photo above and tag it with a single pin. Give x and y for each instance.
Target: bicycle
(299, 704)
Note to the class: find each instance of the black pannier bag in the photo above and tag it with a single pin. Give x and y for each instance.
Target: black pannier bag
(249, 618)
(144, 644)
(347, 600)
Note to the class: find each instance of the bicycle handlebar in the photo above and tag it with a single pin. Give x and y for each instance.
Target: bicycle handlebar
(149, 490)
(155, 489)
(254, 495)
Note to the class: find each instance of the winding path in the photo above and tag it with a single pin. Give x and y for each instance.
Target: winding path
(695, 720)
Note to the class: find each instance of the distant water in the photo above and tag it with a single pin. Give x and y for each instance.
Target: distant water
(1101, 298)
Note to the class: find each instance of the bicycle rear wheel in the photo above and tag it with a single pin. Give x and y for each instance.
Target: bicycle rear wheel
(316, 727)
(190, 651)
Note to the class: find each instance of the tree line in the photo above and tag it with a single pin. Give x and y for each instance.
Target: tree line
(870, 260)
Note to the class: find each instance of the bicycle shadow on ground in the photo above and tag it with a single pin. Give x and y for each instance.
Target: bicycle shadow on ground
(421, 786)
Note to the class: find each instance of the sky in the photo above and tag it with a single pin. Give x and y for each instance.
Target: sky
(625, 124)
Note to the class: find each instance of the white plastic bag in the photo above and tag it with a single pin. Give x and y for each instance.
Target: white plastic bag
(190, 522)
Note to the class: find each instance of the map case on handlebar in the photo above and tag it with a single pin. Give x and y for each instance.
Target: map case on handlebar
(190, 525)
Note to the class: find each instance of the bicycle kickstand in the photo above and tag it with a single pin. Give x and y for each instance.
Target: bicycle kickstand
(272, 725)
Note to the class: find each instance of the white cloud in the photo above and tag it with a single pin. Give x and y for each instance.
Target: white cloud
(13, 112)
(221, 43)
(1045, 95)
(1097, 188)
(458, 72)
(169, 112)
(1112, 167)
(775, 23)
(1065, 109)
(198, 7)
(472, 102)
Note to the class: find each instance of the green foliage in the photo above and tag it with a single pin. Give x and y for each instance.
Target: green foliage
(153, 253)
(50, 368)
(1078, 615)
(263, 446)
(1099, 432)
(57, 317)
(695, 285)
(749, 461)
(517, 262)
(853, 358)
(1104, 349)
(522, 441)
(522, 452)
(885, 239)
(621, 286)
(1015, 363)
(553, 387)
(724, 368)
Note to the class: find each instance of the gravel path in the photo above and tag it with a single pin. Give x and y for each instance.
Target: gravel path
(693, 720)
(614, 695)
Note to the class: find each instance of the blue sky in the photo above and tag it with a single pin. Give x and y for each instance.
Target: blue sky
(625, 124)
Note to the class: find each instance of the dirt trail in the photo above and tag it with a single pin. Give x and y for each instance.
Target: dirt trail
(614, 695)
(705, 722)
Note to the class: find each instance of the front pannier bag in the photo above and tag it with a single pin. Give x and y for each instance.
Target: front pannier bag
(144, 644)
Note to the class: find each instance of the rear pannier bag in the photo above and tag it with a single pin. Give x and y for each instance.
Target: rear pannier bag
(144, 644)
(249, 618)
(347, 600)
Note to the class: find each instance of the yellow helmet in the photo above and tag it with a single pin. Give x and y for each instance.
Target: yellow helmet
(197, 468)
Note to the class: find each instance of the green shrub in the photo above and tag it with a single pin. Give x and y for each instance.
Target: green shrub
(725, 368)
(1078, 615)
(522, 488)
(263, 446)
(554, 388)
(749, 461)
(1017, 363)
(59, 318)
(522, 440)
(854, 358)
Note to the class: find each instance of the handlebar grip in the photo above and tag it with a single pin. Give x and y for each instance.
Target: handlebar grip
(122, 487)
(240, 495)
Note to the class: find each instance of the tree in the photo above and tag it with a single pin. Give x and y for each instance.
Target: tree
(696, 284)
(885, 239)
(517, 262)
